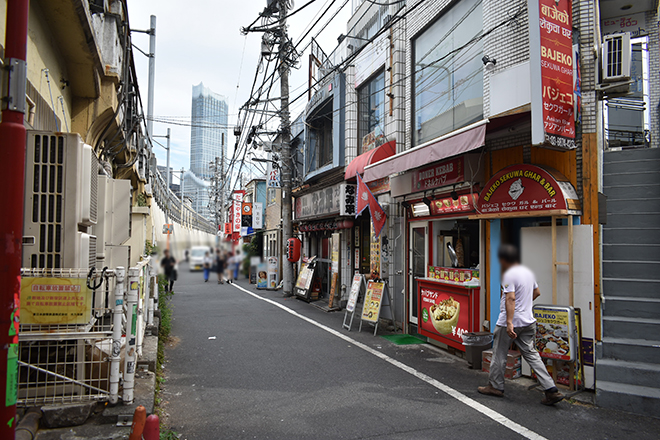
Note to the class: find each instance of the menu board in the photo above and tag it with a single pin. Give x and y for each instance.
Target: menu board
(555, 332)
(305, 278)
(355, 292)
(454, 275)
(444, 314)
(372, 301)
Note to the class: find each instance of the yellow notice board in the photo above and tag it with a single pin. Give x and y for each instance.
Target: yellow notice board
(372, 301)
(55, 301)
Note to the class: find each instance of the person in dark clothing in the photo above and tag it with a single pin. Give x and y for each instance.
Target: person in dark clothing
(219, 265)
(167, 263)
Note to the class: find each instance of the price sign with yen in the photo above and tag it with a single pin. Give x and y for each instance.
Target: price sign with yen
(168, 228)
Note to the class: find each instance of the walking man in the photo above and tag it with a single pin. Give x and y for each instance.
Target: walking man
(517, 323)
(168, 264)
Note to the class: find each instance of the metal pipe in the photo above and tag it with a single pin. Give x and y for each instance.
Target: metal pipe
(152, 77)
(117, 315)
(12, 155)
(130, 354)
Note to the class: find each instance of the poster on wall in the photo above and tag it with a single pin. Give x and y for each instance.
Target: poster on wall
(262, 276)
(372, 301)
(55, 301)
(374, 256)
(443, 313)
(552, 81)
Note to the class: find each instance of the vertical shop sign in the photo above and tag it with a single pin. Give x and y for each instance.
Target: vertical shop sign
(551, 62)
(257, 215)
(335, 253)
(237, 210)
(374, 255)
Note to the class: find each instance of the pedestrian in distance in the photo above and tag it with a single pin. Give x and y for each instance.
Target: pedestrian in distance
(516, 323)
(219, 265)
(169, 269)
(207, 262)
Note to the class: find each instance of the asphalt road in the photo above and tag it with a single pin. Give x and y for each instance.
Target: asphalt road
(270, 374)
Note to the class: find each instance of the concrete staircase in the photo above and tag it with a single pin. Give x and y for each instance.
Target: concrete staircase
(628, 359)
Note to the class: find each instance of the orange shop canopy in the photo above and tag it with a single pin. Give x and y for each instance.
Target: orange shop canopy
(370, 157)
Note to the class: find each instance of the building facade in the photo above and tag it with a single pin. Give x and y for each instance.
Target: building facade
(448, 102)
(208, 140)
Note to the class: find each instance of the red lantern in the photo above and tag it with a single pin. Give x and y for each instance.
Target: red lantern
(348, 224)
(293, 246)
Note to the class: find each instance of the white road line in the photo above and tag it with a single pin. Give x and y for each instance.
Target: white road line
(499, 418)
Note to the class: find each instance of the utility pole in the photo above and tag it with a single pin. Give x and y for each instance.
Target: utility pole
(12, 156)
(152, 78)
(181, 185)
(287, 166)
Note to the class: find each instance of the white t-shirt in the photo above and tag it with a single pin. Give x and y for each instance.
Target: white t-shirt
(521, 280)
(208, 260)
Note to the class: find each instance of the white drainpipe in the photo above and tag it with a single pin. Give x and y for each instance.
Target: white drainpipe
(117, 315)
(130, 357)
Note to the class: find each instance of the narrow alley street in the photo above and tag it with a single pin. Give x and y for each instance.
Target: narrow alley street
(272, 372)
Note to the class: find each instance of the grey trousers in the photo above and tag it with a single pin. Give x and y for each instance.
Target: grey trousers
(525, 342)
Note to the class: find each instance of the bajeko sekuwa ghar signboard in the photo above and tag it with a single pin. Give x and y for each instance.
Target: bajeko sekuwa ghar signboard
(553, 77)
(528, 190)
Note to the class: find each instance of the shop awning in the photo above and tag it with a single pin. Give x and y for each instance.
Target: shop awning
(526, 190)
(468, 139)
(370, 157)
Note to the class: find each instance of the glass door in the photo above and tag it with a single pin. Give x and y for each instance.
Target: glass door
(418, 262)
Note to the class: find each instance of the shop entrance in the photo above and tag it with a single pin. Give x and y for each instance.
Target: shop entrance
(418, 262)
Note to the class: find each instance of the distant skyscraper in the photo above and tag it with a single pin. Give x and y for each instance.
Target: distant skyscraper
(208, 140)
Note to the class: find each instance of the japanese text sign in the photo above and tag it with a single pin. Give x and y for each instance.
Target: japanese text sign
(440, 174)
(55, 301)
(552, 47)
(372, 301)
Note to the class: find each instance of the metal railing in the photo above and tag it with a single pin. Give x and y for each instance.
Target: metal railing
(82, 361)
(171, 205)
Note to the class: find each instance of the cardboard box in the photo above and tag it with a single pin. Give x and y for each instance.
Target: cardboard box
(512, 359)
(510, 372)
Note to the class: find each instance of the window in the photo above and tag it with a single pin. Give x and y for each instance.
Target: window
(320, 138)
(371, 109)
(448, 73)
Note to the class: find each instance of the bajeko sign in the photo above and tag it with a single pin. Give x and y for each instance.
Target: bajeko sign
(525, 189)
(552, 73)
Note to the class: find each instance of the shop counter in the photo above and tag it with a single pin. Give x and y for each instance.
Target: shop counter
(448, 307)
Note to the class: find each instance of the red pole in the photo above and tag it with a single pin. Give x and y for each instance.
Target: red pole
(12, 154)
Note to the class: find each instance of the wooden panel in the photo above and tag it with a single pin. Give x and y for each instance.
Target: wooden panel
(508, 156)
(562, 161)
(590, 212)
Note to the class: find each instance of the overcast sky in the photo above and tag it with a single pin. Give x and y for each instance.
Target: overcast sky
(199, 40)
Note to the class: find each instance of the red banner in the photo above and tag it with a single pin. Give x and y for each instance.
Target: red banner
(556, 39)
(440, 174)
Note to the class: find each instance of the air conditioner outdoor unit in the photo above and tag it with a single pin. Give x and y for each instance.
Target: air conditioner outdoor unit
(617, 53)
(60, 201)
(112, 229)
